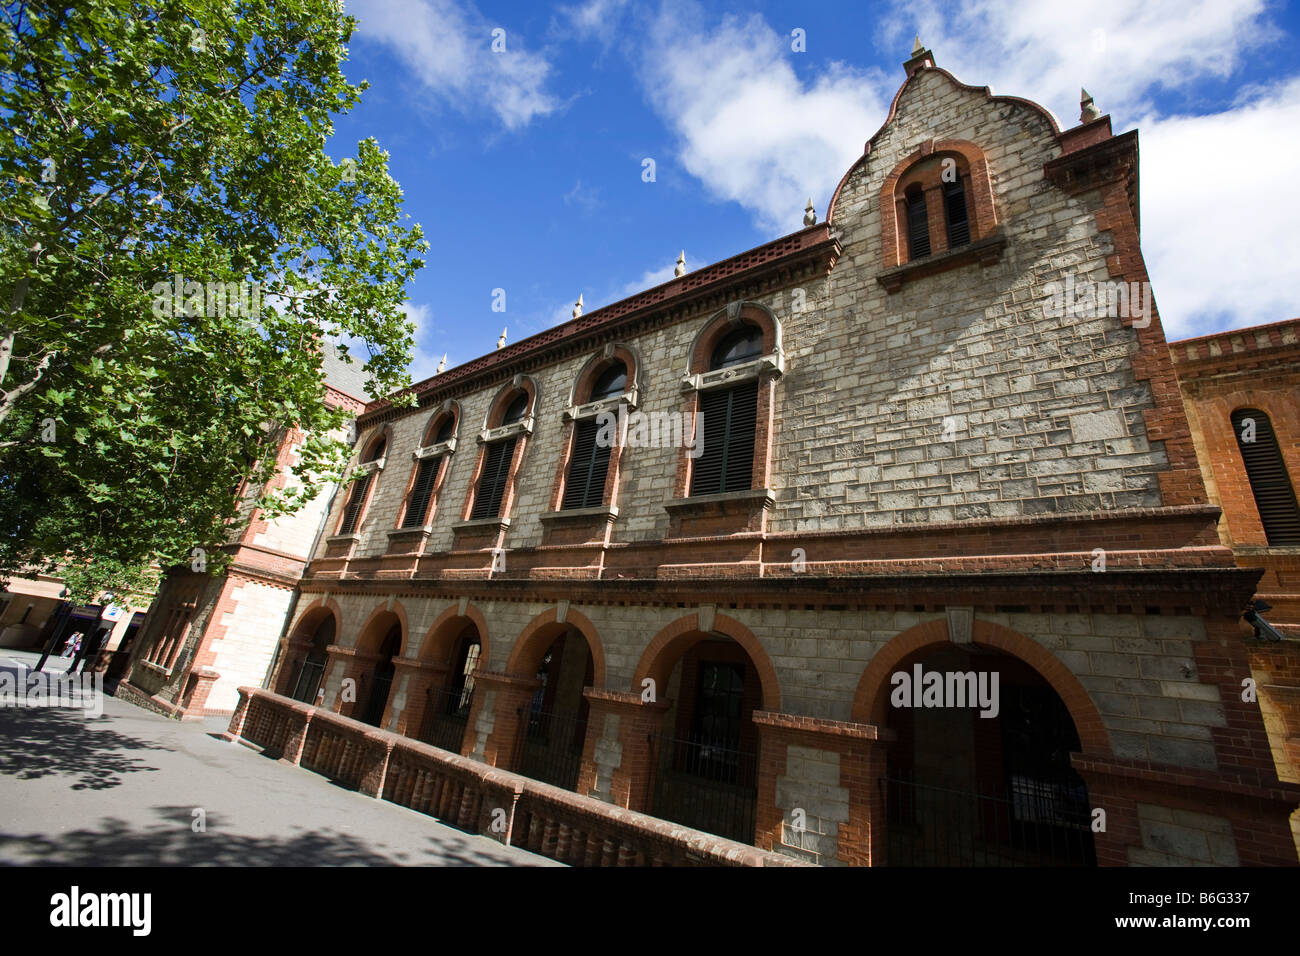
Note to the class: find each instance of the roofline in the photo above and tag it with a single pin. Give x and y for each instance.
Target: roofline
(814, 240)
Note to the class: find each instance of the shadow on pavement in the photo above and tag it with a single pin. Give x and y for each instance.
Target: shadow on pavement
(173, 842)
(42, 741)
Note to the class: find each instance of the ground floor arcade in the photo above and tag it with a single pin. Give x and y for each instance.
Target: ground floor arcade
(1085, 738)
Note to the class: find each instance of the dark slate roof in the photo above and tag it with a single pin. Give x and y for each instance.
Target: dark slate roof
(342, 375)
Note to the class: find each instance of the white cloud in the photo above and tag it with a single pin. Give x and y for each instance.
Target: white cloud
(428, 351)
(1119, 49)
(750, 130)
(448, 47)
(597, 19)
(586, 198)
(1222, 246)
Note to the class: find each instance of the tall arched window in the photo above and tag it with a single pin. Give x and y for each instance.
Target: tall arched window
(918, 224)
(584, 485)
(361, 487)
(729, 418)
(426, 474)
(497, 457)
(954, 208)
(1269, 482)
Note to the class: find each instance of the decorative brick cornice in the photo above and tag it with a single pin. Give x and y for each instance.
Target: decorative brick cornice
(714, 286)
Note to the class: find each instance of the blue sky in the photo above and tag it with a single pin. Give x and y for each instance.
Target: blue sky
(525, 167)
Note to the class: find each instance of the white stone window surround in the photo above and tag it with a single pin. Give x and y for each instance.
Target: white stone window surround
(735, 374)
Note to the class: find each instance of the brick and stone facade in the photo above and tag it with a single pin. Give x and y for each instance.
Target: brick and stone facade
(946, 473)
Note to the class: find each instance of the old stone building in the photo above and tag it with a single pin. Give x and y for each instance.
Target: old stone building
(940, 433)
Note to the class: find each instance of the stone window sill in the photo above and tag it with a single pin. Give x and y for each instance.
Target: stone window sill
(985, 251)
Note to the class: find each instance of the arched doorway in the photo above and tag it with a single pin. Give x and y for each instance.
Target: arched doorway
(553, 724)
(377, 684)
(447, 704)
(311, 669)
(704, 759)
(980, 773)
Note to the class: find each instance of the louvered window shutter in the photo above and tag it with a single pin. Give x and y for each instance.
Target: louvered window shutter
(585, 485)
(918, 227)
(1274, 495)
(954, 201)
(492, 483)
(729, 418)
(417, 507)
(357, 498)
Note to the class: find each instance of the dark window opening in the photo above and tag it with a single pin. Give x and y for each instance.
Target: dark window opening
(516, 409)
(612, 381)
(426, 476)
(729, 419)
(743, 345)
(584, 487)
(492, 482)
(918, 224)
(1270, 483)
(954, 205)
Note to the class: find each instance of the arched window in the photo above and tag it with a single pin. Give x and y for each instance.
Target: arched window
(361, 489)
(918, 224)
(312, 669)
(497, 458)
(584, 485)
(1269, 482)
(729, 419)
(954, 208)
(426, 475)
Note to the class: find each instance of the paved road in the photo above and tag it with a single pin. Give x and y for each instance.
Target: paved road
(121, 789)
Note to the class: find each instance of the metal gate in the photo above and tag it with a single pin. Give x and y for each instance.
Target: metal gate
(380, 684)
(310, 673)
(551, 747)
(1040, 821)
(705, 783)
(446, 715)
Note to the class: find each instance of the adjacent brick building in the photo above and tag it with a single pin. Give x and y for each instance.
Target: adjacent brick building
(913, 443)
(206, 636)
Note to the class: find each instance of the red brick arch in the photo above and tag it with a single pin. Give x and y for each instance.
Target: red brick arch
(717, 328)
(984, 215)
(439, 640)
(371, 633)
(673, 641)
(536, 637)
(313, 613)
(871, 702)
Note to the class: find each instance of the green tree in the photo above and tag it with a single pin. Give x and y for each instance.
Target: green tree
(162, 174)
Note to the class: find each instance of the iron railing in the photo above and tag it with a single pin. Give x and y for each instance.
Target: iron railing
(705, 783)
(308, 681)
(380, 684)
(1042, 820)
(446, 714)
(551, 747)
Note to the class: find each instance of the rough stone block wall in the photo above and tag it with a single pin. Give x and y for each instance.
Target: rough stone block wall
(1183, 838)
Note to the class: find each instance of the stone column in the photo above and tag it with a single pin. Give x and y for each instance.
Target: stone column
(497, 716)
(618, 756)
(819, 789)
(354, 666)
(412, 683)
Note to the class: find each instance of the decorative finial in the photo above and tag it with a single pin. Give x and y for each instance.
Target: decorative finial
(681, 264)
(502, 341)
(809, 214)
(1087, 110)
(577, 306)
(917, 48)
(442, 365)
